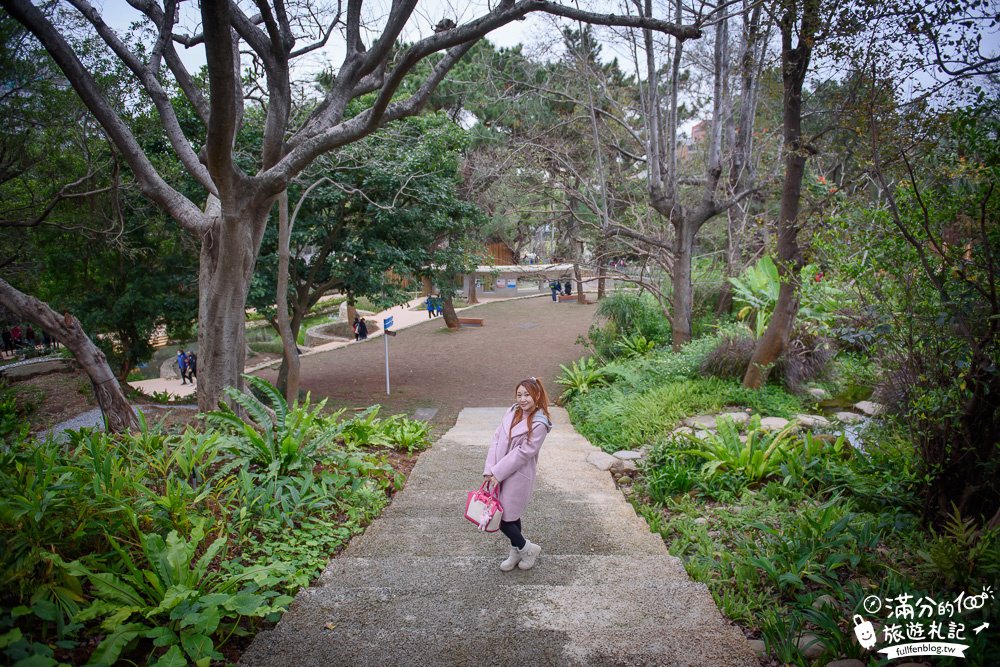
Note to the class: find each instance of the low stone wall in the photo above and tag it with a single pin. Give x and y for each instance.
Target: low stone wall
(333, 332)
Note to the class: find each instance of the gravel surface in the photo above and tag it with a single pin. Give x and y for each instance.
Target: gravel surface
(433, 367)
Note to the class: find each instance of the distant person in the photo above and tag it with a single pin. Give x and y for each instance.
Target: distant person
(29, 334)
(511, 465)
(182, 364)
(15, 335)
(363, 329)
(192, 366)
(568, 288)
(46, 340)
(430, 306)
(8, 341)
(439, 306)
(357, 333)
(554, 286)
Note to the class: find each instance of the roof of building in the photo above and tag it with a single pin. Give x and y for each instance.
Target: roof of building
(524, 268)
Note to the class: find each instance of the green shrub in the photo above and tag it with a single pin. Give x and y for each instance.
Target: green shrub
(961, 554)
(813, 546)
(633, 346)
(758, 456)
(627, 314)
(173, 597)
(806, 358)
(580, 378)
(103, 539)
(290, 441)
(615, 418)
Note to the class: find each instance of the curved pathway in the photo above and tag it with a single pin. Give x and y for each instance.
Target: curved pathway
(422, 586)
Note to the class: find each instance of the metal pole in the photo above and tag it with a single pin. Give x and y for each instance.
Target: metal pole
(385, 335)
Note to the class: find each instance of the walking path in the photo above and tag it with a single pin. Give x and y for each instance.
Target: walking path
(403, 318)
(422, 586)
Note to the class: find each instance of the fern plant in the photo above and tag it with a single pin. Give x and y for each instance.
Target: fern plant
(634, 346)
(289, 440)
(581, 377)
(760, 457)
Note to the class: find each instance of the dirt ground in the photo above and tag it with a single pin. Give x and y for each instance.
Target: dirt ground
(432, 367)
(54, 397)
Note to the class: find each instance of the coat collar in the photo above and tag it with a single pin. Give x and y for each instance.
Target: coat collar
(521, 428)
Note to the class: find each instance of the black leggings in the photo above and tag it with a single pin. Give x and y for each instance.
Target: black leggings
(512, 529)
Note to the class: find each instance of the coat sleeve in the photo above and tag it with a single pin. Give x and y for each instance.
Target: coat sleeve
(521, 454)
(491, 457)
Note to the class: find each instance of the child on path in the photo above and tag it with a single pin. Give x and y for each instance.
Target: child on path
(511, 463)
(192, 366)
(430, 307)
(363, 329)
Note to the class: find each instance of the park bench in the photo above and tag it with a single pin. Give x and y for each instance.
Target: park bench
(567, 297)
(472, 321)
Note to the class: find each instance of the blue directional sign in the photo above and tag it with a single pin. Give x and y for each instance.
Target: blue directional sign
(387, 322)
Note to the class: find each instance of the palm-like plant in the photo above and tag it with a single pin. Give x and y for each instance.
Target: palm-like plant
(635, 346)
(280, 439)
(757, 289)
(581, 377)
(760, 457)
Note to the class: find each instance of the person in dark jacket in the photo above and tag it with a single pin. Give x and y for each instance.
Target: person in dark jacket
(192, 366)
(357, 322)
(568, 288)
(182, 363)
(363, 329)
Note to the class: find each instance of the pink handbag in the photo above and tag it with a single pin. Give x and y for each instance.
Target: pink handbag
(483, 508)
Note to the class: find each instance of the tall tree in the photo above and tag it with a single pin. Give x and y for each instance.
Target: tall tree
(799, 24)
(231, 218)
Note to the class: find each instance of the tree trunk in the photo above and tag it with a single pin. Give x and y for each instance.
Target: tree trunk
(450, 316)
(602, 273)
(118, 415)
(472, 289)
(795, 64)
(290, 352)
(680, 279)
(578, 275)
(426, 285)
(352, 310)
(228, 252)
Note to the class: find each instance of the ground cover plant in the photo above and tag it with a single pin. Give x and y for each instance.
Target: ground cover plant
(791, 529)
(167, 548)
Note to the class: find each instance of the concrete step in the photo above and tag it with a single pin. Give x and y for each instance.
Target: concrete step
(471, 617)
(418, 572)
(391, 536)
(422, 585)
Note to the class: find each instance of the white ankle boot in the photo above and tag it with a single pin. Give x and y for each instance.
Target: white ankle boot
(512, 560)
(528, 553)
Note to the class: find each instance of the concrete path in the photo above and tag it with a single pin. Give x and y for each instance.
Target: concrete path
(422, 586)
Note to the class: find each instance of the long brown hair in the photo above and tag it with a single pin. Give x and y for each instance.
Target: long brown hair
(534, 387)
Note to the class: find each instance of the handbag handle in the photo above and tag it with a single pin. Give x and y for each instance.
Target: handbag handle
(492, 491)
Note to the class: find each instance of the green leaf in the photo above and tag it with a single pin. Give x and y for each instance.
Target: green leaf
(205, 621)
(109, 587)
(172, 658)
(10, 637)
(244, 603)
(162, 636)
(36, 661)
(46, 610)
(108, 651)
(197, 645)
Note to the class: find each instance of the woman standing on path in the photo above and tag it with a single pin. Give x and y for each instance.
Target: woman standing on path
(511, 463)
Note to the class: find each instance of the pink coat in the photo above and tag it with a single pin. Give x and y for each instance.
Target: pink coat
(513, 461)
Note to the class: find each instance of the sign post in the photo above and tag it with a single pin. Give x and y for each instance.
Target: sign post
(386, 323)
